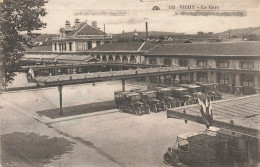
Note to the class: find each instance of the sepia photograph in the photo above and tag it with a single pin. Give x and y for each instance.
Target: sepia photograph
(129, 83)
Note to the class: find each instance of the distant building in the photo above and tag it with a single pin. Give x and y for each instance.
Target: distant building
(79, 38)
(233, 65)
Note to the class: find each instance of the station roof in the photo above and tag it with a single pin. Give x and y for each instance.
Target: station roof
(40, 56)
(85, 29)
(243, 111)
(75, 58)
(207, 49)
(180, 89)
(123, 47)
(40, 48)
(60, 58)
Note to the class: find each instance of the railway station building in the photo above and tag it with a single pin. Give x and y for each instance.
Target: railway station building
(235, 66)
(79, 38)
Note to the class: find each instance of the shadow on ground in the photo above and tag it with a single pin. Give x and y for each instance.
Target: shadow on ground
(79, 109)
(31, 149)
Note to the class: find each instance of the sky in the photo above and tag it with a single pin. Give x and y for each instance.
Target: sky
(134, 14)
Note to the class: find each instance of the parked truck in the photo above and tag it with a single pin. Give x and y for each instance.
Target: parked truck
(212, 90)
(130, 102)
(209, 148)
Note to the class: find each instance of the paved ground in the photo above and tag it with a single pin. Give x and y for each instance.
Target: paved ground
(106, 139)
(27, 142)
(131, 140)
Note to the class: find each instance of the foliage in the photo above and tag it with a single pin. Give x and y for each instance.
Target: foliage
(253, 37)
(17, 17)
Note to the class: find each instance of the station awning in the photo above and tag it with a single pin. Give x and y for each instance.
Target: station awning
(110, 75)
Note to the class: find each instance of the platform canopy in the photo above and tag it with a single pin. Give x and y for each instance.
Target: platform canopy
(241, 114)
(110, 75)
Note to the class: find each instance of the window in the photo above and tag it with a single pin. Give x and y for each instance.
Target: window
(118, 60)
(110, 58)
(55, 46)
(202, 63)
(224, 78)
(98, 43)
(248, 80)
(203, 76)
(132, 59)
(89, 45)
(104, 58)
(183, 77)
(125, 59)
(60, 46)
(167, 62)
(65, 47)
(222, 64)
(247, 65)
(183, 62)
(152, 61)
(70, 46)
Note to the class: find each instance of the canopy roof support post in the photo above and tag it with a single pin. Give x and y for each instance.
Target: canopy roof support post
(172, 80)
(123, 84)
(60, 92)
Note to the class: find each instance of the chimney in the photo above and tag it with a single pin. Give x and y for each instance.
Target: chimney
(77, 22)
(146, 26)
(94, 23)
(67, 25)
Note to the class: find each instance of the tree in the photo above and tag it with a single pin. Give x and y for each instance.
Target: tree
(16, 18)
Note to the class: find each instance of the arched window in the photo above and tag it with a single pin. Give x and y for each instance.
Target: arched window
(55, 46)
(60, 46)
(132, 59)
(125, 59)
(104, 58)
(110, 58)
(70, 46)
(118, 60)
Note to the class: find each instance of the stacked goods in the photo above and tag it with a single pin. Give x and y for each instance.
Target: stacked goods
(203, 147)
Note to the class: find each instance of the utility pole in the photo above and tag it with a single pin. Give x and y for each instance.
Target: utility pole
(104, 32)
(229, 35)
(146, 26)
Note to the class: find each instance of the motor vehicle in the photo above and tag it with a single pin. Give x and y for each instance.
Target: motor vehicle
(194, 91)
(130, 102)
(182, 96)
(148, 97)
(210, 148)
(211, 90)
(137, 90)
(165, 95)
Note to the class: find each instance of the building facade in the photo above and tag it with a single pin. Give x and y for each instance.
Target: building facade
(235, 66)
(121, 52)
(79, 38)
